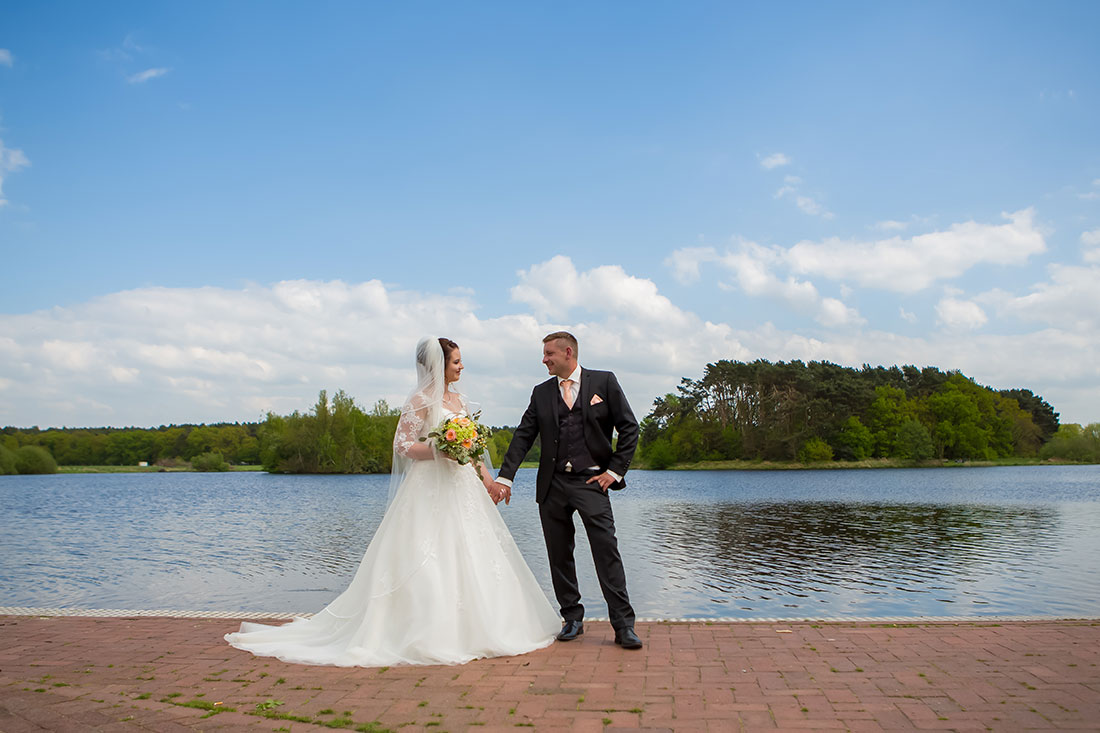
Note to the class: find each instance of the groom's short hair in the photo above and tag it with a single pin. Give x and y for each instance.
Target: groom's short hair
(564, 336)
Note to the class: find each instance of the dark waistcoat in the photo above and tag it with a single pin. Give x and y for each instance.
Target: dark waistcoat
(571, 446)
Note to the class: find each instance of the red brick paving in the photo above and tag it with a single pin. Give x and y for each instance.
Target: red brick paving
(127, 674)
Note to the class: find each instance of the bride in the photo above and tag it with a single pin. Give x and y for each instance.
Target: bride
(442, 581)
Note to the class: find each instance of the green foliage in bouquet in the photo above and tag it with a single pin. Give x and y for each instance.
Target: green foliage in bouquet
(462, 438)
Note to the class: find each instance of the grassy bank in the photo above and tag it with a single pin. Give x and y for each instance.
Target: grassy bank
(870, 463)
(143, 469)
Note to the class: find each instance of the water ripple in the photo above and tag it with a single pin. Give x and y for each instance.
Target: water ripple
(829, 543)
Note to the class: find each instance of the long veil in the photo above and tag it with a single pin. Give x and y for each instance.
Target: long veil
(423, 406)
(388, 566)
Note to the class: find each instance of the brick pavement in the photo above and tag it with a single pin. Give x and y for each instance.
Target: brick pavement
(127, 674)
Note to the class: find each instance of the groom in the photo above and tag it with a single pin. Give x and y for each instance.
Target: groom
(573, 413)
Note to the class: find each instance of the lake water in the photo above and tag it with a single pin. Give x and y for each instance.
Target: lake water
(715, 544)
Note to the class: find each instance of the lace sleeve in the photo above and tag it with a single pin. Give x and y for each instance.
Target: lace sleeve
(408, 431)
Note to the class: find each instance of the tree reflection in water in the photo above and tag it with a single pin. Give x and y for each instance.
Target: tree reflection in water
(785, 558)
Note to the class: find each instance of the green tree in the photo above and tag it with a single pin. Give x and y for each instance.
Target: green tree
(129, 447)
(337, 436)
(1042, 414)
(855, 442)
(966, 423)
(1025, 436)
(658, 455)
(1074, 443)
(888, 411)
(815, 450)
(209, 462)
(914, 442)
(7, 461)
(34, 459)
(498, 444)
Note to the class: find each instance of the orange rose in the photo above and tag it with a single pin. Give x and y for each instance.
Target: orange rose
(450, 436)
(467, 444)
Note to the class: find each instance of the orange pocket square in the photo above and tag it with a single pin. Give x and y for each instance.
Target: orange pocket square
(596, 399)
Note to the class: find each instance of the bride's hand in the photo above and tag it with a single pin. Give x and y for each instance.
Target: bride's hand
(500, 491)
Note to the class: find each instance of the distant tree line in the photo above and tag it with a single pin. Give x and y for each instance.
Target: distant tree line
(819, 411)
(783, 411)
(336, 436)
(236, 443)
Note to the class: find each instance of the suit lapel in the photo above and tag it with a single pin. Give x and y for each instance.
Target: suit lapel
(554, 396)
(585, 393)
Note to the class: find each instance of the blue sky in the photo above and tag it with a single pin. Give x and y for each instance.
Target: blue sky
(209, 210)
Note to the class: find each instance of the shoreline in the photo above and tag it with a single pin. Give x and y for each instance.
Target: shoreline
(869, 464)
(151, 469)
(738, 465)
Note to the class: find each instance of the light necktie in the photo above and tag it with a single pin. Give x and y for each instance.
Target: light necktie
(567, 392)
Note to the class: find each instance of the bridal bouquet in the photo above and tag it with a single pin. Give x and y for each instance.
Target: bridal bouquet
(462, 438)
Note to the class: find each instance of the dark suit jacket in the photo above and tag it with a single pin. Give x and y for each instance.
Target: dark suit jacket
(541, 419)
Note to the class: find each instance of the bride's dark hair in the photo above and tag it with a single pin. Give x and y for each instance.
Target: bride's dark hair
(448, 347)
(423, 354)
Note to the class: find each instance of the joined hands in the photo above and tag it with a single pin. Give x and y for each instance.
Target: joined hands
(498, 491)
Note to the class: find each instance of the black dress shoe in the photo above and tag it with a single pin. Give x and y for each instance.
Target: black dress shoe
(571, 630)
(627, 639)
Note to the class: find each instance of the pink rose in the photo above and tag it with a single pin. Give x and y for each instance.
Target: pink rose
(450, 436)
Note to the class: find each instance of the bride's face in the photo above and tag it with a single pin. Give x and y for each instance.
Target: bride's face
(453, 369)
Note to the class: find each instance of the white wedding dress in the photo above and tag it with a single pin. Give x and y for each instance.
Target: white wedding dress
(442, 582)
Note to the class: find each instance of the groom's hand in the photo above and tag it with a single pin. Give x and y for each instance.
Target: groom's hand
(604, 480)
(501, 491)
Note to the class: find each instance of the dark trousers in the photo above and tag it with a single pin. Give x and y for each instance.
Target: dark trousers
(569, 493)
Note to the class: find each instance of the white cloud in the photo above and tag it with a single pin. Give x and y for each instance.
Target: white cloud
(895, 264)
(1090, 242)
(144, 76)
(11, 160)
(891, 226)
(685, 262)
(806, 204)
(157, 355)
(833, 312)
(554, 289)
(752, 266)
(1070, 299)
(811, 206)
(907, 316)
(6, 58)
(775, 160)
(960, 315)
(910, 265)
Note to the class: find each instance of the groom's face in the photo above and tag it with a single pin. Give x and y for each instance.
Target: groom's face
(559, 358)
